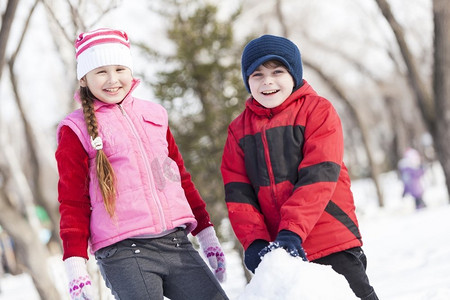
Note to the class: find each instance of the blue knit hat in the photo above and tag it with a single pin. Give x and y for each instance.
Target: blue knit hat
(270, 47)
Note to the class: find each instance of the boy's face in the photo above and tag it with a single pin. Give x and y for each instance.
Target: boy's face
(271, 85)
(109, 84)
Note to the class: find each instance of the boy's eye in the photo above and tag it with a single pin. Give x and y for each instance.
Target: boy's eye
(256, 74)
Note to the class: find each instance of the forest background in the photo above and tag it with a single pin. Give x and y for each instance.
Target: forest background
(383, 64)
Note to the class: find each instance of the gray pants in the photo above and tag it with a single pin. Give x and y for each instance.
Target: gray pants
(141, 269)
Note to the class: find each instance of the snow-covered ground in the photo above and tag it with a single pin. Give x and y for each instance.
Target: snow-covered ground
(408, 254)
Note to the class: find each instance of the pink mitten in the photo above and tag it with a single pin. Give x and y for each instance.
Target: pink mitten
(210, 246)
(80, 287)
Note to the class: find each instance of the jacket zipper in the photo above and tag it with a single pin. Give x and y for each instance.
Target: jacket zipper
(268, 161)
(147, 166)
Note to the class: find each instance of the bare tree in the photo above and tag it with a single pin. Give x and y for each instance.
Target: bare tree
(434, 107)
(31, 253)
(16, 216)
(49, 205)
(441, 83)
(8, 17)
(421, 91)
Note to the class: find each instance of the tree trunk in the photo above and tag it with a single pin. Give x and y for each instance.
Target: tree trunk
(50, 205)
(435, 111)
(441, 83)
(7, 20)
(421, 92)
(31, 253)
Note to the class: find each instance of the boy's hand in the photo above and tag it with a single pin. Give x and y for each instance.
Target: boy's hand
(252, 259)
(213, 251)
(289, 241)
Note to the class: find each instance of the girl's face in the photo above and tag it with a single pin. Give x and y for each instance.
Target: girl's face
(270, 85)
(109, 84)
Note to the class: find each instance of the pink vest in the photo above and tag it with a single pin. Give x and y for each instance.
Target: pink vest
(150, 199)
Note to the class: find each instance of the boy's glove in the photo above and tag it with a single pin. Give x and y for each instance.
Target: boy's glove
(289, 241)
(80, 287)
(252, 258)
(210, 246)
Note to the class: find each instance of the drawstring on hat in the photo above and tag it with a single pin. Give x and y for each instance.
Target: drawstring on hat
(97, 143)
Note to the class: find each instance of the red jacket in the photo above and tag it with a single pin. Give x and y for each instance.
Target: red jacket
(282, 169)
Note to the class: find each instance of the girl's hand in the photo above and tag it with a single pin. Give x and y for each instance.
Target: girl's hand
(210, 246)
(80, 287)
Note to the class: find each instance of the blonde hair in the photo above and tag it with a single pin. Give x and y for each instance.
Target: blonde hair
(105, 173)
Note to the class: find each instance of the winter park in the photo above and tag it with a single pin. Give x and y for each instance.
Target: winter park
(369, 88)
(407, 252)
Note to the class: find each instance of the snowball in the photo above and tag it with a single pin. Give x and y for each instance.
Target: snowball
(283, 277)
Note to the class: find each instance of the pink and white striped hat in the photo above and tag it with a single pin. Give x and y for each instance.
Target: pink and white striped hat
(102, 47)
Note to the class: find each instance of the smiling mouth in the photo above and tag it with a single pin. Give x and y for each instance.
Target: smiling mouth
(269, 92)
(113, 90)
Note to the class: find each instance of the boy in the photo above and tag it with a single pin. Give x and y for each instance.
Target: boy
(285, 183)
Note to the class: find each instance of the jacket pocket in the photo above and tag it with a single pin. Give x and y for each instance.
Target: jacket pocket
(359, 254)
(106, 252)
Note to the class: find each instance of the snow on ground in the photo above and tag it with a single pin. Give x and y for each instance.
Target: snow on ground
(18, 287)
(408, 254)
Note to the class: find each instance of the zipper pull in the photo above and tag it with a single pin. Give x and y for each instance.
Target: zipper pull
(122, 110)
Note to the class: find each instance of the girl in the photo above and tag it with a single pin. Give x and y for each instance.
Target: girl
(124, 190)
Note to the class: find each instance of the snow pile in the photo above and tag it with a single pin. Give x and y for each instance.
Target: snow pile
(283, 277)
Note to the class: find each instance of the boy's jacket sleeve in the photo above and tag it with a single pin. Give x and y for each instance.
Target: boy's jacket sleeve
(242, 203)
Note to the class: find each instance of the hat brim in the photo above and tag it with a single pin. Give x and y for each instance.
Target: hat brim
(103, 55)
(262, 60)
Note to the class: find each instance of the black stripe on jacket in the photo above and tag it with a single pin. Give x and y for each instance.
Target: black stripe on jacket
(323, 172)
(240, 192)
(342, 217)
(285, 145)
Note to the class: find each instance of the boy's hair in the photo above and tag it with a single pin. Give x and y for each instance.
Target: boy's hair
(105, 173)
(270, 47)
(273, 64)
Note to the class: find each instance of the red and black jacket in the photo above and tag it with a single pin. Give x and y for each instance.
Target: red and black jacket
(283, 169)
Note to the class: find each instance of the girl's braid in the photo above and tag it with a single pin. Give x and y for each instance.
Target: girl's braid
(105, 172)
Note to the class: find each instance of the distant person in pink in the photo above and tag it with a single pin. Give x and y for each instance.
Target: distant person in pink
(411, 172)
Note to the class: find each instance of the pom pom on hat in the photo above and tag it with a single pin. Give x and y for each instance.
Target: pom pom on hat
(102, 47)
(270, 47)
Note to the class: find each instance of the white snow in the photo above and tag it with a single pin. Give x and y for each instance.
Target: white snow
(408, 254)
(281, 276)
